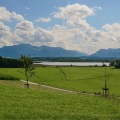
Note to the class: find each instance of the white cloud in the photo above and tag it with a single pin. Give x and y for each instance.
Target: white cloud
(6, 37)
(25, 32)
(4, 32)
(43, 20)
(79, 35)
(88, 40)
(74, 11)
(4, 29)
(17, 16)
(76, 35)
(5, 15)
(30, 34)
(113, 31)
(25, 25)
(75, 15)
(27, 8)
(114, 27)
(43, 35)
(82, 24)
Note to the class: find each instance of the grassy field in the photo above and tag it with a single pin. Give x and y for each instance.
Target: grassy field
(38, 103)
(81, 79)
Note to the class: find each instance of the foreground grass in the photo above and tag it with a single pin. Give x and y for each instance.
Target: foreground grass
(38, 103)
(81, 79)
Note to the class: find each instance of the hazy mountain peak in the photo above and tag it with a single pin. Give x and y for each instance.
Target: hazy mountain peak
(44, 51)
(108, 53)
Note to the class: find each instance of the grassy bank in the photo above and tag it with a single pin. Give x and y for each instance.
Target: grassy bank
(39, 103)
(81, 79)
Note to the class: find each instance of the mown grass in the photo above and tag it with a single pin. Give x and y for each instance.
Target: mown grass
(37, 103)
(81, 79)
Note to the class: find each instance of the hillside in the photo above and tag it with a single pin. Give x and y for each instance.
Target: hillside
(39, 103)
(105, 53)
(43, 51)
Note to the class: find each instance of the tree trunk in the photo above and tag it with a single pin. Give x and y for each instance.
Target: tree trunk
(26, 74)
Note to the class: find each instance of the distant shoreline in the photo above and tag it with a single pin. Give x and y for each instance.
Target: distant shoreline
(73, 63)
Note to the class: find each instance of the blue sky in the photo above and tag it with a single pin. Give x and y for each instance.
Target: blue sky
(82, 25)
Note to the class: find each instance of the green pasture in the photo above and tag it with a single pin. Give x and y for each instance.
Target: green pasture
(38, 103)
(81, 79)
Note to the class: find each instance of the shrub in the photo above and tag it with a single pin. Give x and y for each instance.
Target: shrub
(8, 77)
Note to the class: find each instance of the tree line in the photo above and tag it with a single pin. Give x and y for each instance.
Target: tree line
(115, 63)
(17, 63)
(71, 59)
(10, 63)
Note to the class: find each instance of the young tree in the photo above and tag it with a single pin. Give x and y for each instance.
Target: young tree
(105, 89)
(117, 63)
(28, 67)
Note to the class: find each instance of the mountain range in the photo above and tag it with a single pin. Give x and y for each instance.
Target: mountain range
(44, 51)
(107, 53)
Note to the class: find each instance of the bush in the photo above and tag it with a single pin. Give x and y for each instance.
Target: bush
(8, 77)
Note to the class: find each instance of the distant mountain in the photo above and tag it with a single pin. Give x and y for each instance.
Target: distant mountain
(44, 51)
(107, 53)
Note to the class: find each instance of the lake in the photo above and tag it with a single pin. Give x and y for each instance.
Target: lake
(74, 63)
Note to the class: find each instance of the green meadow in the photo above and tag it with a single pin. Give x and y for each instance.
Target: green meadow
(80, 79)
(39, 103)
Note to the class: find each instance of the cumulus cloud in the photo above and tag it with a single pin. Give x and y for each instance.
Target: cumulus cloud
(113, 31)
(4, 33)
(75, 15)
(25, 32)
(76, 34)
(29, 33)
(82, 24)
(5, 15)
(114, 27)
(25, 25)
(63, 36)
(4, 29)
(6, 36)
(79, 35)
(43, 35)
(43, 20)
(87, 40)
(17, 16)
(74, 11)
(78, 31)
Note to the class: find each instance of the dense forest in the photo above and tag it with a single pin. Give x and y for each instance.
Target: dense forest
(10, 63)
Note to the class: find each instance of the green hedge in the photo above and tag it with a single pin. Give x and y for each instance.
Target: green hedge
(8, 77)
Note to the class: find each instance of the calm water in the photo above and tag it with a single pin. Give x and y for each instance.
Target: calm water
(74, 63)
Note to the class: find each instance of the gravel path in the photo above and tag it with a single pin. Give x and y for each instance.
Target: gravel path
(59, 89)
(51, 87)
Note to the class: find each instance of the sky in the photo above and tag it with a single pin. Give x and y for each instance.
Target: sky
(81, 25)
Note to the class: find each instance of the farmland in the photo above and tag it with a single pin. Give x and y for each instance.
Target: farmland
(80, 79)
(37, 102)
